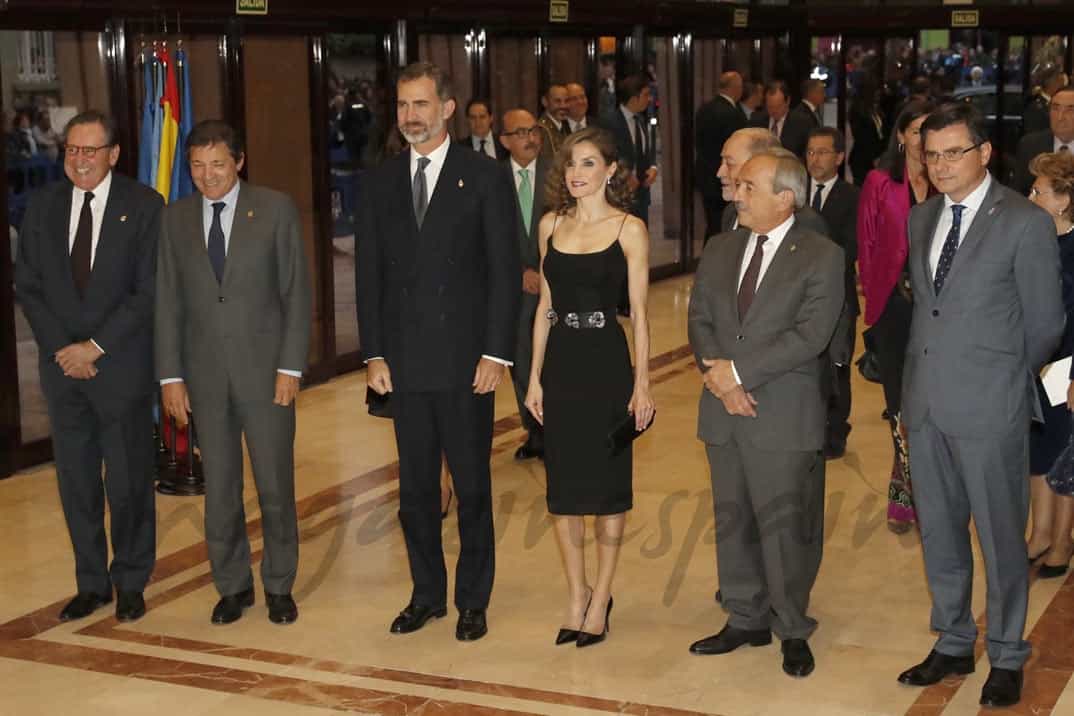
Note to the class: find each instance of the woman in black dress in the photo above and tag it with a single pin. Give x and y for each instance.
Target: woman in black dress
(581, 382)
(1052, 504)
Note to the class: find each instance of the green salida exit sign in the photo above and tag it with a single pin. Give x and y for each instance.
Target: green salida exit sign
(251, 7)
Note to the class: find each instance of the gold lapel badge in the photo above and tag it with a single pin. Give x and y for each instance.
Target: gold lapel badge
(250, 214)
(794, 247)
(461, 184)
(123, 218)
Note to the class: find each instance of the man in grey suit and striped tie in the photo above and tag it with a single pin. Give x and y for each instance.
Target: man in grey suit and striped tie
(988, 311)
(232, 337)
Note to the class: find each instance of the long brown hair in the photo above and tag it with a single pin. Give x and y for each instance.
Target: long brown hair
(617, 192)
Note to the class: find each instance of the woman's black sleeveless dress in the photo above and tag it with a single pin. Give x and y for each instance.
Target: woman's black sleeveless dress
(587, 381)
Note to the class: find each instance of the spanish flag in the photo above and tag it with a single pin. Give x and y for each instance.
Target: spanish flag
(169, 127)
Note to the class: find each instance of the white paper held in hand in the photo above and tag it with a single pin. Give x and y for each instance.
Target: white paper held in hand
(1056, 379)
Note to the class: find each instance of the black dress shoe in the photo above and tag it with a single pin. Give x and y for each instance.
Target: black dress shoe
(471, 626)
(229, 608)
(83, 605)
(414, 616)
(587, 639)
(730, 639)
(1003, 688)
(530, 449)
(1049, 571)
(719, 596)
(130, 606)
(281, 608)
(935, 667)
(835, 450)
(797, 658)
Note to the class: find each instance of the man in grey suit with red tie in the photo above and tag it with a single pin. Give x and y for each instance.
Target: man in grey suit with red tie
(762, 311)
(438, 295)
(988, 312)
(85, 279)
(232, 336)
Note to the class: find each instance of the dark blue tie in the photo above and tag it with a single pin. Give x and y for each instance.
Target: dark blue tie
(217, 252)
(950, 246)
(817, 197)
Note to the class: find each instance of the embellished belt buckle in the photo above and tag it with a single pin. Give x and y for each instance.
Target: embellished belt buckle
(594, 319)
(571, 319)
(552, 316)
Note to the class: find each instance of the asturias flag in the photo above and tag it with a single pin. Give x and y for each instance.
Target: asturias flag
(169, 127)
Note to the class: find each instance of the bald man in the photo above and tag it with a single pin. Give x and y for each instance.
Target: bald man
(716, 121)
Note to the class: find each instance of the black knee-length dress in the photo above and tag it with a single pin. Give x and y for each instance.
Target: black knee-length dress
(587, 380)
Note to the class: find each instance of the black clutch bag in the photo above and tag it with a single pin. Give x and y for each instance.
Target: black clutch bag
(380, 406)
(625, 432)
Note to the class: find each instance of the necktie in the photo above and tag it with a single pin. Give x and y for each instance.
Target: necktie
(420, 191)
(482, 149)
(217, 250)
(565, 128)
(639, 141)
(817, 198)
(775, 127)
(525, 197)
(950, 246)
(748, 288)
(82, 249)
(1064, 148)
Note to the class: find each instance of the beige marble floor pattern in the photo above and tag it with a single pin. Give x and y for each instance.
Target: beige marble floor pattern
(871, 598)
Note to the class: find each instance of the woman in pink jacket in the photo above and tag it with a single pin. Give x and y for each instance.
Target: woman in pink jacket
(897, 184)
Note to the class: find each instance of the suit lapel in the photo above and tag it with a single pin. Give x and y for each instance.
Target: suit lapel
(540, 174)
(111, 226)
(61, 228)
(982, 222)
(448, 185)
(240, 231)
(774, 275)
(740, 238)
(926, 241)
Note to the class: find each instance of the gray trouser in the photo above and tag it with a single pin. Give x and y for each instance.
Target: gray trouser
(983, 478)
(769, 507)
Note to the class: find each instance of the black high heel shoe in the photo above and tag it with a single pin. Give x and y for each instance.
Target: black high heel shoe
(586, 639)
(568, 635)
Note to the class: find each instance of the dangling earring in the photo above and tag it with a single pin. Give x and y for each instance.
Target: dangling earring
(902, 147)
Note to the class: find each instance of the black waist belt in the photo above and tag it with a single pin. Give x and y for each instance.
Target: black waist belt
(589, 319)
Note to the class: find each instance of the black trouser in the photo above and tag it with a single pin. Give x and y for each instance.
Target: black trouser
(85, 435)
(457, 424)
(839, 399)
(891, 333)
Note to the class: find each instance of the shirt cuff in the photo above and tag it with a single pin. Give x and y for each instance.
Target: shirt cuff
(292, 373)
(97, 345)
(171, 380)
(366, 361)
(501, 361)
(735, 373)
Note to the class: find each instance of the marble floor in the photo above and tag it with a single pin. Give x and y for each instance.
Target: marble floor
(871, 598)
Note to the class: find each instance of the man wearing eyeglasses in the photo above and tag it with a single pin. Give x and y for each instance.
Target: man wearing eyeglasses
(1059, 137)
(85, 276)
(985, 274)
(521, 137)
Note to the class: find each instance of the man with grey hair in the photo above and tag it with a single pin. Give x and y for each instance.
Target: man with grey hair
(763, 309)
(714, 124)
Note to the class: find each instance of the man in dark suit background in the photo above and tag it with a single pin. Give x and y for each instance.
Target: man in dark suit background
(630, 126)
(1059, 137)
(85, 277)
(578, 116)
(522, 137)
(837, 203)
(1035, 116)
(792, 128)
(762, 311)
(715, 122)
(233, 323)
(482, 138)
(438, 307)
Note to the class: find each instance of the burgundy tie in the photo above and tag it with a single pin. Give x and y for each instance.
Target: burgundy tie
(82, 249)
(748, 288)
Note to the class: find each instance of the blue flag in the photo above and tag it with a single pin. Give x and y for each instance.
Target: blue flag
(181, 184)
(146, 148)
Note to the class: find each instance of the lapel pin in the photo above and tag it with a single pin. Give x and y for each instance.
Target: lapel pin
(123, 218)
(794, 247)
(992, 211)
(461, 184)
(250, 214)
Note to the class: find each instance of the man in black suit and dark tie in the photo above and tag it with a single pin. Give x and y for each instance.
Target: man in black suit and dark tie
(792, 128)
(716, 120)
(630, 125)
(85, 276)
(522, 137)
(1059, 137)
(482, 138)
(837, 201)
(438, 300)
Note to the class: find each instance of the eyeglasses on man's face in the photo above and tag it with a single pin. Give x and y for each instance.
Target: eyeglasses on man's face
(949, 155)
(72, 150)
(523, 132)
(819, 152)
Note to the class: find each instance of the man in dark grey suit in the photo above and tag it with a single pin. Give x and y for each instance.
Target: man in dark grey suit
(521, 136)
(762, 312)
(232, 338)
(438, 293)
(85, 277)
(988, 311)
(714, 124)
(792, 128)
(1059, 137)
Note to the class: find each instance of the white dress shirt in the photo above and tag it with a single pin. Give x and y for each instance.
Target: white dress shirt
(972, 204)
(813, 184)
(97, 207)
(227, 220)
(1057, 143)
(632, 127)
(490, 149)
(578, 125)
(432, 174)
(768, 252)
(776, 126)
